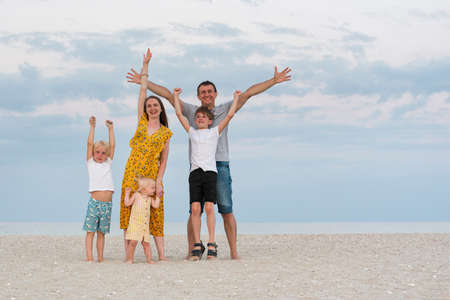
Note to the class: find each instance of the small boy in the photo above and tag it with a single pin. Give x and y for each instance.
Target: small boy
(98, 216)
(203, 173)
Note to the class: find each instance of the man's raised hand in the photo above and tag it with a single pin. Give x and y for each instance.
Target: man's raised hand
(281, 76)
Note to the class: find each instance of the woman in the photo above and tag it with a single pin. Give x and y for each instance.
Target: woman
(148, 157)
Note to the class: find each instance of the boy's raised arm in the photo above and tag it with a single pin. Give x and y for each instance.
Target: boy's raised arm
(178, 110)
(90, 142)
(112, 139)
(231, 112)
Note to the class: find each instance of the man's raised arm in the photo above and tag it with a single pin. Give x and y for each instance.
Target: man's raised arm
(258, 88)
(159, 90)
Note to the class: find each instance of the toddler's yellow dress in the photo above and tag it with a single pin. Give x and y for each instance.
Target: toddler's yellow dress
(138, 228)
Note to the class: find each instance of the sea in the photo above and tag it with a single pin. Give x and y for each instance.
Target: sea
(179, 228)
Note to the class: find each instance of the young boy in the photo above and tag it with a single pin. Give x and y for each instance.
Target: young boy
(98, 216)
(203, 173)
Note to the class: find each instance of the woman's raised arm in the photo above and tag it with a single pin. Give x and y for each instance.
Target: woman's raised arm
(144, 77)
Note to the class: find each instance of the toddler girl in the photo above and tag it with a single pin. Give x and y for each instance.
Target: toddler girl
(138, 227)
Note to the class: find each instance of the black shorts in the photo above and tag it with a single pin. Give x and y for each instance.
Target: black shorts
(202, 186)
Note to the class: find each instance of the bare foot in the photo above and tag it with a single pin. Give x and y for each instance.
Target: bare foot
(163, 259)
(235, 256)
(129, 262)
(100, 260)
(151, 262)
(89, 261)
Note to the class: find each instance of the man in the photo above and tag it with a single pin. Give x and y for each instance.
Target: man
(207, 93)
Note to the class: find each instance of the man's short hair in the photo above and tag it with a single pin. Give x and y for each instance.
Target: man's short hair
(207, 82)
(206, 111)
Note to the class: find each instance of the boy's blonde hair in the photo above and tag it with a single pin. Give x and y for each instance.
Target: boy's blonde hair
(103, 144)
(143, 181)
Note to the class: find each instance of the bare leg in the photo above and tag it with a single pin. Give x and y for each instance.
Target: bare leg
(190, 237)
(148, 252)
(211, 223)
(100, 245)
(125, 242)
(88, 243)
(159, 242)
(229, 224)
(196, 222)
(130, 251)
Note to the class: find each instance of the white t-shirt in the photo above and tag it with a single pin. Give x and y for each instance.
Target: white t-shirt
(100, 175)
(204, 145)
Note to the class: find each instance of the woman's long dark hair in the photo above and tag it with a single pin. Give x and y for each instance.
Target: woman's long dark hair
(162, 115)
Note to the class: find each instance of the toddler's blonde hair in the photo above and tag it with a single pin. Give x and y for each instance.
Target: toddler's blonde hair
(143, 181)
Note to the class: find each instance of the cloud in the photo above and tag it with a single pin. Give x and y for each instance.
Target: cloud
(355, 110)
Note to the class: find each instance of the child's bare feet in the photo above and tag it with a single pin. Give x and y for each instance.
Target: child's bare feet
(151, 262)
(100, 260)
(129, 262)
(163, 258)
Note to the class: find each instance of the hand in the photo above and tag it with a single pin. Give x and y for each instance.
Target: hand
(281, 76)
(109, 124)
(127, 190)
(236, 94)
(134, 77)
(147, 57)
(92, 121)
(159, 189)
(177, 91)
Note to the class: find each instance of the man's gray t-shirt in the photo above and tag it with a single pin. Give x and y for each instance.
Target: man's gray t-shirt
(219, 112)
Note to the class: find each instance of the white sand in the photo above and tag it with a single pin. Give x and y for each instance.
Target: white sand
(351, 266)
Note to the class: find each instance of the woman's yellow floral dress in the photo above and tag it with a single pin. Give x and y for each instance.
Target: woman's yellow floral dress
(144, 161)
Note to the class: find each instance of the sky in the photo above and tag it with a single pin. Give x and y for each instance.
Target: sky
(360, 133)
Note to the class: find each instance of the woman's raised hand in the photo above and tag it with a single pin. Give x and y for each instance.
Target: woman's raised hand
(147, 57)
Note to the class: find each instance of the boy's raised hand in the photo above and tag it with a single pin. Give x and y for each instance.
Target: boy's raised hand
(281, 76)
(92, 121)
(236, 94)
(109, 123)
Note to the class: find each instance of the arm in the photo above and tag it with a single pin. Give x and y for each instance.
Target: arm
(258, 88)
(155, 202)
(127, 199)
(159, 90)
(162, 168)
(231, 112)
(90, 142)
(143, 90)
(112, 139)
(179, 110)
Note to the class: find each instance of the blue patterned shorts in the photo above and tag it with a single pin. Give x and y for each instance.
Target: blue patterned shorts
(98, 216)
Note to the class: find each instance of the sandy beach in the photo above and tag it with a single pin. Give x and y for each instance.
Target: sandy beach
(340, 266)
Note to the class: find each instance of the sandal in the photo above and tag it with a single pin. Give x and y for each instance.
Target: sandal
(196, 254)
(212, 254)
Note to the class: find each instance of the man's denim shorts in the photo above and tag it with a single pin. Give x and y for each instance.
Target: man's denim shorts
(98, 216)
(224, 200)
